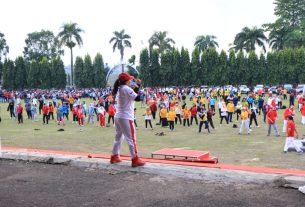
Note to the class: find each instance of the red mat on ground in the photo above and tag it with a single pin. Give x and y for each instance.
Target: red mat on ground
(188, 155)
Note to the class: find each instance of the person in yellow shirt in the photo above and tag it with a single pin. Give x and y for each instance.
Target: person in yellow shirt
(203, 119)
(239, 94)
(171, 116)
(285, 94)
(230, 110)
(186, 116)
(195, 100)
(244, 121)
(163, 116)
(203, 101)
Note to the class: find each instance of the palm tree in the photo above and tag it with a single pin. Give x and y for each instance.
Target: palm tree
(248, 38)
(160, 40)
(120, 41)
(70, 36)
(205, 42)
(277, 39)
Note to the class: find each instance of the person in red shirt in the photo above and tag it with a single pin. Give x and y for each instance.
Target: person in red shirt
(153, 108)
(45, 112)
(291, 134)
(111, 113)
(194, 114)
(272, 118)
(80, 115)
(19, 110)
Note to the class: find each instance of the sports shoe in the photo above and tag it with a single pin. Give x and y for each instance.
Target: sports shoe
(136, 162)
(115, 159)
(300, 153)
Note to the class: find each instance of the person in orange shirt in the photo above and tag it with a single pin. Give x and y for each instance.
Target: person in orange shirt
(45, 113)
(51, 111)
(163, 116)
(171, 116)
(186, 116)
(291, 134)
(71, 102)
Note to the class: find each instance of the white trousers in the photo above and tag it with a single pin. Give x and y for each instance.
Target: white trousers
(124, 129)
(290, 142)
(285, 126)
(303, 119)
(244, 123)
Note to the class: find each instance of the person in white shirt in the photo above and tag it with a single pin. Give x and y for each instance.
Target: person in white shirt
(124, 118)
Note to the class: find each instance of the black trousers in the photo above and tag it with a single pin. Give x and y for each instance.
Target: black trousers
(45, 118)
(12, 114)
(194, 117)
(148, 121)
(51, 115)
(255, 120)
(178, 116)
(171, 125)
(109, 118)
(224, 117)
(211, 123)
(29, 113)
(153, 113)
(230, 115)
(20, 119)
(186, 120)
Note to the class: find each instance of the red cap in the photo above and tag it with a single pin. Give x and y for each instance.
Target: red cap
(125, 77)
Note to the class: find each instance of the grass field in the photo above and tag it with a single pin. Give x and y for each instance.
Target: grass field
(224, 142)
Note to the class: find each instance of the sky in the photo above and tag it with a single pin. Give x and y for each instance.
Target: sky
(184, 20)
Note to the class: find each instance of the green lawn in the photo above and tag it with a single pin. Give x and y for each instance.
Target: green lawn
(224, 142)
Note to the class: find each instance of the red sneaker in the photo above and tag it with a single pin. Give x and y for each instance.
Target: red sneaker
(115, 159)
(136, 162)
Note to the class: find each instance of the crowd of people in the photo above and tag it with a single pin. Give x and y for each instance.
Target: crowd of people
(179, 106)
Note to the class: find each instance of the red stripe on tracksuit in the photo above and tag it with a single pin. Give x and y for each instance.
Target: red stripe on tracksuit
(133, 137)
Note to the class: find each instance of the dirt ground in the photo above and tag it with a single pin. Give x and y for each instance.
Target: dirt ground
(24, 184)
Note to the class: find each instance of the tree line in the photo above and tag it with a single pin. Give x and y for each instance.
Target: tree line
(21, 74)
(180, 68)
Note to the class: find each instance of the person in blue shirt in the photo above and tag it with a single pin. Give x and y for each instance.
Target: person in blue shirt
(65, 110)
(250, 101)
(212, 103)
(260, 104)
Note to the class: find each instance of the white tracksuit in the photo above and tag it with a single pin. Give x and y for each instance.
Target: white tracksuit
(124, 121)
